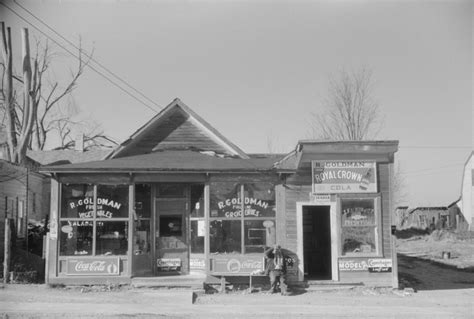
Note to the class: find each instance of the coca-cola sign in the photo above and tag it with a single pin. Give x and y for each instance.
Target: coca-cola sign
(238, 264)
(105, 266)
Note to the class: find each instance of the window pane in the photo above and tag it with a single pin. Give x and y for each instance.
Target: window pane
(225, 199)
(259, 200)
(197, 236)
(258, 235)
(197, 201)
(112, 201)
(77, 201)
(171, 226)
(143, 200)
(358, 240)
(76, 238)
(358, 212)
(225, 236)
(141, 237)
(112, 238)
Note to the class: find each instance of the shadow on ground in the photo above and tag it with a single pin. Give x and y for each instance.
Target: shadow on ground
(422, 274)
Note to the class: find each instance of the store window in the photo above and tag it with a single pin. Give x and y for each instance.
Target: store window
(112, 201)
(242, 217)
(225, 236)
(76, 238)
(94, 220)
(112, 238)
(359, 226)
(77, 201)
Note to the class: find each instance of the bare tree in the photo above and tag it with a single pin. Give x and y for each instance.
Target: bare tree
(399, 192)
(350, 112)
(42, 112)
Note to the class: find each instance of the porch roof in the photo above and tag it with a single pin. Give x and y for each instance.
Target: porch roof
(172, 160)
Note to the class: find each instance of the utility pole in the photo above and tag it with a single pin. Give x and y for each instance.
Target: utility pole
(7, 252)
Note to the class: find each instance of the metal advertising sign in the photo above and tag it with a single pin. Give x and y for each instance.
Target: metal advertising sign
(97, 266)
(331, 177)
(371, 265)
(197, 263)
(353, 265)
(168, 263)
(380, 265)
(238, 264)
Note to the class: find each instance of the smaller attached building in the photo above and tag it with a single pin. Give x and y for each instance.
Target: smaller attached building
(179, 198)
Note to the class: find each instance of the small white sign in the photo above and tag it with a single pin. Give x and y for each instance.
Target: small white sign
(201, 228)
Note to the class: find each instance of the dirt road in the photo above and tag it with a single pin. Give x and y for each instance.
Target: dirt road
(440, 293)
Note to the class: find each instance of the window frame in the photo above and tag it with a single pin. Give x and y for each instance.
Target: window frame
(94, 219)
(376, 226)
(242, 218)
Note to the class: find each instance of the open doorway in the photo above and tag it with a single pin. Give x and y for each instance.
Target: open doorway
(317, 242)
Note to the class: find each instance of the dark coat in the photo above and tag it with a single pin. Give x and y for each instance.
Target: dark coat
(270, 262)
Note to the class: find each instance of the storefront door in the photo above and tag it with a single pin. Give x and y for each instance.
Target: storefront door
(142, 261)
(317, 242)
(171, 225)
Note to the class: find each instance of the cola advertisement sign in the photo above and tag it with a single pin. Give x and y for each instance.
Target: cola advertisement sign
(238, 264)
(105, 266)
(330, 177)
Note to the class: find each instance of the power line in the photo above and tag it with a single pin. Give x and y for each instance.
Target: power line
(88, 55)
(433, 168)
(438, 147)
(88, 65)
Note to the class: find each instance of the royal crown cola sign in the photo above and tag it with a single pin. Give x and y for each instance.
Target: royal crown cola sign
(344, 177)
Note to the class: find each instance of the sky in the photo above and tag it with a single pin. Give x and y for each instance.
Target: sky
(258, 70)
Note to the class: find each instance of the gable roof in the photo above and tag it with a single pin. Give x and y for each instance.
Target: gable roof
(176, 127)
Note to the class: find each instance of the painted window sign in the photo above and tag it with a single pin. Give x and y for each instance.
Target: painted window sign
(238, 264)
(358, 212)
(228, 200)
(79, 201)
(344, 177)
(93, 266)
(84, 207)
(253, 207)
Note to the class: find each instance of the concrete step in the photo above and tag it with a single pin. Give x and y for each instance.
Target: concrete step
(181, 281)
(324, 285)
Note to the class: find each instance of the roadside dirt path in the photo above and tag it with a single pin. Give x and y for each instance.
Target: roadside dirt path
(422, 274)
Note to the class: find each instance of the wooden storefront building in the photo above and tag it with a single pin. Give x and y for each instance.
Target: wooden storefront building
(178, 198)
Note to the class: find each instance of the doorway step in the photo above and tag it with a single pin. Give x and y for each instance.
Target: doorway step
(191, 281)
(325, 285)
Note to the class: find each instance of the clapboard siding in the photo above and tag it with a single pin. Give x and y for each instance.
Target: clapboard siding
(177, 131)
